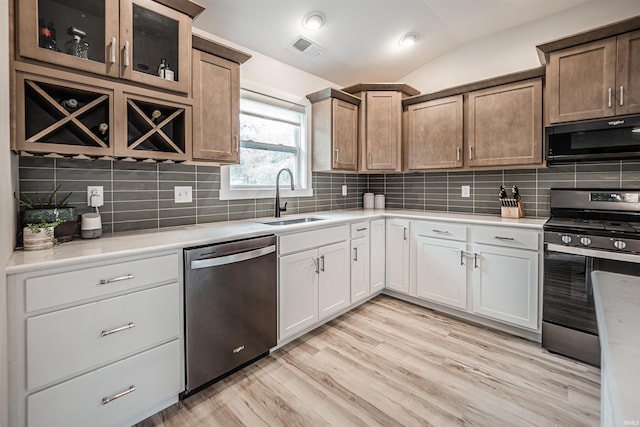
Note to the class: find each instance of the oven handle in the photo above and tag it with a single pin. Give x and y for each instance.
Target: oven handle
(615, 256)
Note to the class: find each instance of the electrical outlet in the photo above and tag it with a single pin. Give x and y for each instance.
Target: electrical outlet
(95, 196)
(344, 190)
(466, 191)
(182, 194)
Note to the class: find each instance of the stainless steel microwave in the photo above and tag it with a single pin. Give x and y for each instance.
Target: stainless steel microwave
(610, 139)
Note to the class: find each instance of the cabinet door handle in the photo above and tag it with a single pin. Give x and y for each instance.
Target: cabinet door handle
(108, 399)
(337, 155)
(475, 260)
(440, 231)
(470, 153)
(370, 159)
(116, 279)
(621, 96)
(461, 257)
(404, 233)
(503, 238)
(609, 103)
(322, 259)
(355, 254)
(120, 329)
(316, 264)
(237, 143)
(458, 154)
(126, 53)
(113, 50)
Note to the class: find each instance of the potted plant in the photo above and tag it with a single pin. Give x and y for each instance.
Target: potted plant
(40, 235)
(39, 210)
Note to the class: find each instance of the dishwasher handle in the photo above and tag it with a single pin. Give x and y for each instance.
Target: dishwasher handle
(230, 259)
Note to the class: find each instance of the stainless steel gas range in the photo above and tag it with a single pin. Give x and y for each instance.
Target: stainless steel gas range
(589, 229)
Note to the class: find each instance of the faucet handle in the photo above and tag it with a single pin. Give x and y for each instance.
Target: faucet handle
(284, 207)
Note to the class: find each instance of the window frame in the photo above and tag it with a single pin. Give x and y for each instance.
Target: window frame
(303, 188)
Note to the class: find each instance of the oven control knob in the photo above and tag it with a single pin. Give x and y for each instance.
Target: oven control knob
(566, 239)
(619, 244)
(585, 241)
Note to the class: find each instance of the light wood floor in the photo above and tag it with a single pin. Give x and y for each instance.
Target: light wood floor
(391, 363)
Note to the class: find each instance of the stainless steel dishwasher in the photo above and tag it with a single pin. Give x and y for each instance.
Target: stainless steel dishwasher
(230, 307)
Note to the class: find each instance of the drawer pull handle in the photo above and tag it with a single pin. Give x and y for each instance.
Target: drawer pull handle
(361, 229)
(120, 329)
(503, 238)
(106, 400)
(440, 231)
(117, 279)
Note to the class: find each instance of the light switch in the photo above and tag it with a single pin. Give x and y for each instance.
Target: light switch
(466, 191)
(182, 194)
(344, 190)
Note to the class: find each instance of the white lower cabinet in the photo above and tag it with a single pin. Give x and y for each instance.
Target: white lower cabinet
(360, 285)
(491, 272)
(99, 345)
(377, 254)
(314, 278)
(505, 285)
(398, 255)
(441, 271)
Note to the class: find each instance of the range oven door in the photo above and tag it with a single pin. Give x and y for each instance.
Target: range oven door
(568, 316)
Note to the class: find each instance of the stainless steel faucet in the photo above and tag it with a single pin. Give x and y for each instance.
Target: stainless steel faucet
(280, 209)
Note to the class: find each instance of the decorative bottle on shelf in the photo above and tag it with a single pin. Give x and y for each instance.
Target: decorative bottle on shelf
(164, 71)
(47, 36)
(76, 46)
(101, 131)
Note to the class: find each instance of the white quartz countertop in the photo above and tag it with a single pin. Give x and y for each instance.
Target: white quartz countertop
(617, 301)
(134, 243)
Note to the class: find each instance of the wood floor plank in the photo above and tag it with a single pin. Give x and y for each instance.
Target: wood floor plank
(391, 363)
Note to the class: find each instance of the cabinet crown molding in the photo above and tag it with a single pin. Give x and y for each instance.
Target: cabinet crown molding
(399, 87)
(330, 92)
(218, 49)
(594, 34)
(187, 7)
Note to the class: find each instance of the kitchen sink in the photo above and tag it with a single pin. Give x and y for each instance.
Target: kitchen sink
(293, 221)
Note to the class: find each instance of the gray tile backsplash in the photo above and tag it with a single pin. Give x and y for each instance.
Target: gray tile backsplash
(140, 195)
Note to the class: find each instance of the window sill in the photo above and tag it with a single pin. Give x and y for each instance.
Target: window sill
(242, 194)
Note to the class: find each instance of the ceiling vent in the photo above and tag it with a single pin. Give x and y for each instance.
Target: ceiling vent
(307, 46)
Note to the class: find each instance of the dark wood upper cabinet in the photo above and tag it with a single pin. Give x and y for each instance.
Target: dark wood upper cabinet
(628, 73)
(581, 82)
(334, 129)
(505, 125)
(381, 132)
(434, 134)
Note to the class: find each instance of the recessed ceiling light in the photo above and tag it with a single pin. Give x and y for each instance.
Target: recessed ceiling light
(314, 20)
(408, 40)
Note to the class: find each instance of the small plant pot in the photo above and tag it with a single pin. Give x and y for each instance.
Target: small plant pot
(37, 240)
(65, 231)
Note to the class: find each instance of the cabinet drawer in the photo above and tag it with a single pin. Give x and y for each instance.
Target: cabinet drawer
(312, 239)
(74, 286)
(68, 341)
(360, 229)
(441, 230)
(505, 236)
(155, 375)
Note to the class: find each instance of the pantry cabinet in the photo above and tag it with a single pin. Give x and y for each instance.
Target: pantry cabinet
(334, 129)
(216, 101)
(594, 80)
(125, 39)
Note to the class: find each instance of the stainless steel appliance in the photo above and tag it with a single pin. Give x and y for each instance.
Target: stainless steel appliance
(230, 307)
(615, 138)
(590, 229)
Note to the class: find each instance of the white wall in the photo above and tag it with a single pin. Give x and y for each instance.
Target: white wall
(515, 49)
(273, 77)
(6, 207)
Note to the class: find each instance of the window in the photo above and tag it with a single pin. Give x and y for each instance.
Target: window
(272, 137)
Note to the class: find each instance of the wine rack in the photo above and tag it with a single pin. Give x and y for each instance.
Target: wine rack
(63, 117)
(156, 130)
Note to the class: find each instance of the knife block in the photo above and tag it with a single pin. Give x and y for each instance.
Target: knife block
(512, 211)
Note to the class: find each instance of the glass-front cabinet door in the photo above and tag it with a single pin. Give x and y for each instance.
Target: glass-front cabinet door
(76, 34)
(139, 40)
(156, 43)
